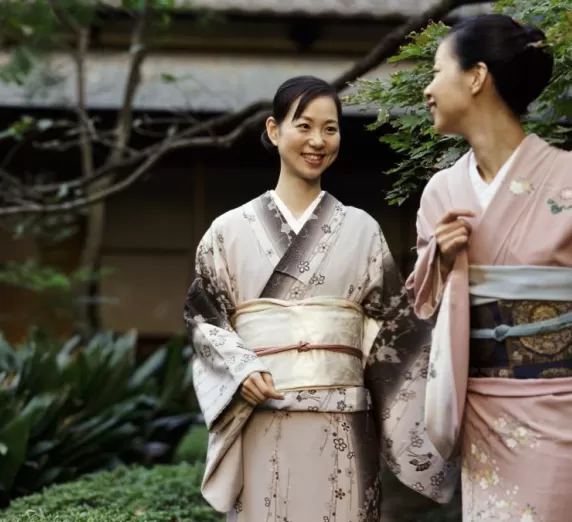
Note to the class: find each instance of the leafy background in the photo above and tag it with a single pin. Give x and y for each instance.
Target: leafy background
(405, 124)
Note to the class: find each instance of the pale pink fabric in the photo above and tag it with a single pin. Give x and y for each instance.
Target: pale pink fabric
(517, 463)
(536, 196)
(528, 222)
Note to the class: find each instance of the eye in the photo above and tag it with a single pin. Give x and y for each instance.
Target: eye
(332, 129)
(304, 126)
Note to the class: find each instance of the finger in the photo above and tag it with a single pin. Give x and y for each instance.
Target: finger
(256, 394)
(467, 226)
(251, 386)
(272, 393)
(460, 243)
(454, 246)
(448, 246)
(453, 215)
(261, 386)
(249, 398)
(451, 236)
(451, 227)
(252, 391)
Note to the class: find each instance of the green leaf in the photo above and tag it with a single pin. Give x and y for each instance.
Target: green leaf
(168, 78)
(14, 436)
(148, 369)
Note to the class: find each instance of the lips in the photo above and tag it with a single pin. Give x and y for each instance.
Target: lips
(313, 159)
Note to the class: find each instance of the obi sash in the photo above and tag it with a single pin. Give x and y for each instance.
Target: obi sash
(534, 283)
(316, 343)
(526, 332)
(531, 283)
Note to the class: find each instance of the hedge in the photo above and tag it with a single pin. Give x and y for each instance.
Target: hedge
(159, 494)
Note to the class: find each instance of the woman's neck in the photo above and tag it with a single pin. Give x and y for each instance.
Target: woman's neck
(494, 138)
(297, 193)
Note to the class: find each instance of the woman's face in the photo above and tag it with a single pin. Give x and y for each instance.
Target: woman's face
(451, 93)
(309, 144)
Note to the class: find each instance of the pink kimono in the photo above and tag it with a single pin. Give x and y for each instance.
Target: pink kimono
(500, 377)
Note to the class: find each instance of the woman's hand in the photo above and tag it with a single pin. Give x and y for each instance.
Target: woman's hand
(259, 387)
(452, 234)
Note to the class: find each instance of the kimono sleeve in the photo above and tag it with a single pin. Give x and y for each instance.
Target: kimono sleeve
(425, 285)
(220, 360)
(396, 376)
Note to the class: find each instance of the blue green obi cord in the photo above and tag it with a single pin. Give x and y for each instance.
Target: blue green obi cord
(521, 339)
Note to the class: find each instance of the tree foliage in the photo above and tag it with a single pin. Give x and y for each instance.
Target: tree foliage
(407, 124)
(110, 158)
(35, 28)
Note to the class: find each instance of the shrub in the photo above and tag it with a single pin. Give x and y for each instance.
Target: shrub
(74, 408)
(159, 494)
(193, 448)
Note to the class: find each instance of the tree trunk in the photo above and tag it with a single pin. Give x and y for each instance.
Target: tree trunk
(89, 317)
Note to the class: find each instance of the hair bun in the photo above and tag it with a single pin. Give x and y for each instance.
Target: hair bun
(534, 36)
(520, 63)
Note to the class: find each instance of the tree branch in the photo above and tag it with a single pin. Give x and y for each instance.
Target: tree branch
(138, 51)
(84, 123)
(389, 45)
(82, 202)
(206, 133)
(251, 113)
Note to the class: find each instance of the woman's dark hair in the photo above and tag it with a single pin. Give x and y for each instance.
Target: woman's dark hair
(520, 65)
(307, 88)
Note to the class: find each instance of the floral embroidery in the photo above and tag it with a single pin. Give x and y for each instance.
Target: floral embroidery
(519, 187)
(513, 434)
(317, 280)
(486, 493)
(251, 218)
(555, 208)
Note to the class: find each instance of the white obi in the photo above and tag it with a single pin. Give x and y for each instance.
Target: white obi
(314, 343)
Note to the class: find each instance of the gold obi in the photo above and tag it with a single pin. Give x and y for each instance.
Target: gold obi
(313, 343)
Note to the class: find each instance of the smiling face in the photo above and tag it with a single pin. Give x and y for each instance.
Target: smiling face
(309, 144)
(450, 96)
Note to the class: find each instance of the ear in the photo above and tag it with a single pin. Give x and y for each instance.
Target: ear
(272, 130)
(480, 77)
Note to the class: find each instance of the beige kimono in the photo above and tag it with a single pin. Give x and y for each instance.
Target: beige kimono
(324, 310)
(500, 385)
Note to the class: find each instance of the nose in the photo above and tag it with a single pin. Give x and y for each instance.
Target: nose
(427, 91)
(317, 140)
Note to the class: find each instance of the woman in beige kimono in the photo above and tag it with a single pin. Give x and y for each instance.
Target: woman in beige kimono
(290, 292)
(494, 272)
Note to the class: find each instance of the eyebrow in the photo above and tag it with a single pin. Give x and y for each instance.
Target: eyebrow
(311, 120)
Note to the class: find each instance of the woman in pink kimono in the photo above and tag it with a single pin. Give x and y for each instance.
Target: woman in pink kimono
(303, 342)
(494, 273)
